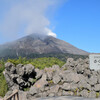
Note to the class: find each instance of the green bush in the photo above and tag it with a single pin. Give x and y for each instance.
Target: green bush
(3, 85)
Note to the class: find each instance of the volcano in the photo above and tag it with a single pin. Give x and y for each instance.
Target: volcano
(34, 44)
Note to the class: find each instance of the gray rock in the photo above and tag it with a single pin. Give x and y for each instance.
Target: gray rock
(42, 89)
(33, 90)
(8, 93)
(80, 61)
(70, 63)
(39, 73)
(84, 84)
(22, 95)
(67, 93)
(56, 68)
(86, 61)
(7, 77)
(80, 69)
(71, 77)
(92, 94)
(42, 82)
(51, 95)
(92, 80)
(44, 94)
(8, 66)
(14, 76)
(38, 95)
(49, 72)
(9, 80)
(20, 69)
(20, 81)
(31, 80)
(14, 87)
(84, 93)
(97, 87)
(98, 78)
(54, 89)
(28, 69)
(70, 60)
(94, 73)
(60, 93)
(47, 88)
(66, 86)
(56, 79)
(87, 72)
(73, 86)
(98, 71)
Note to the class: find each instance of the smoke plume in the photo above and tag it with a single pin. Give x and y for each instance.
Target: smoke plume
(27, 17)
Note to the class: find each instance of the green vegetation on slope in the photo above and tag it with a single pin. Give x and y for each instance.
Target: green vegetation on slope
(40, 63)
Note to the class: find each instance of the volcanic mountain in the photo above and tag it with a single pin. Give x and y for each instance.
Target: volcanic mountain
(34, 44)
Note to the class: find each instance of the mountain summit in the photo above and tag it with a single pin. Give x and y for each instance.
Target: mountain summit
(34, 44)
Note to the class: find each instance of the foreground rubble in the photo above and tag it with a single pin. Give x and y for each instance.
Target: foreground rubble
(75, 78)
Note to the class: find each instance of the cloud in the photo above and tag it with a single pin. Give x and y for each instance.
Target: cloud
(27, 17)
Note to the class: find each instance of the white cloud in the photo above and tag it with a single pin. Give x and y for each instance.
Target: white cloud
(28, 16)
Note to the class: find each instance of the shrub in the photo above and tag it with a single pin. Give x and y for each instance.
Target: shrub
(3, 85)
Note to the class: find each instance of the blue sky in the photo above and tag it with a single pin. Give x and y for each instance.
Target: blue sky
(78, 22)
(75, 21)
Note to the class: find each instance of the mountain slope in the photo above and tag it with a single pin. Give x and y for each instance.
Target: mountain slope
(38, 45)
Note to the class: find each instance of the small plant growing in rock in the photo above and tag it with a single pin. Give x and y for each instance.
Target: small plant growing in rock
(26, 89)
(75, 91)
(89, 91)
(33, 81)
(50, 82)
(97, 94)
(60, 83)
(64, 68)
(80, 89)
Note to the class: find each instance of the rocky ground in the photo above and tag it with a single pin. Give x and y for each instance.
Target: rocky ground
(75, 78)
(67, 98)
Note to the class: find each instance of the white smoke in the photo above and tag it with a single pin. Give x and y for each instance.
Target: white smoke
(27, 17)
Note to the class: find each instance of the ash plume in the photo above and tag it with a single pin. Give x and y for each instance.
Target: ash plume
(28, 16)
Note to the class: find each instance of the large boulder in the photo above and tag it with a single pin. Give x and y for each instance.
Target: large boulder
(28, 69)
(19, 76)
(54, 89)
(92, 80)
(42, 82)
(20, 69)
(9, 66)
(39, 73)
(71, 77)
(84, 93)
(56, 79)
(66, 86)
(97, 87)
